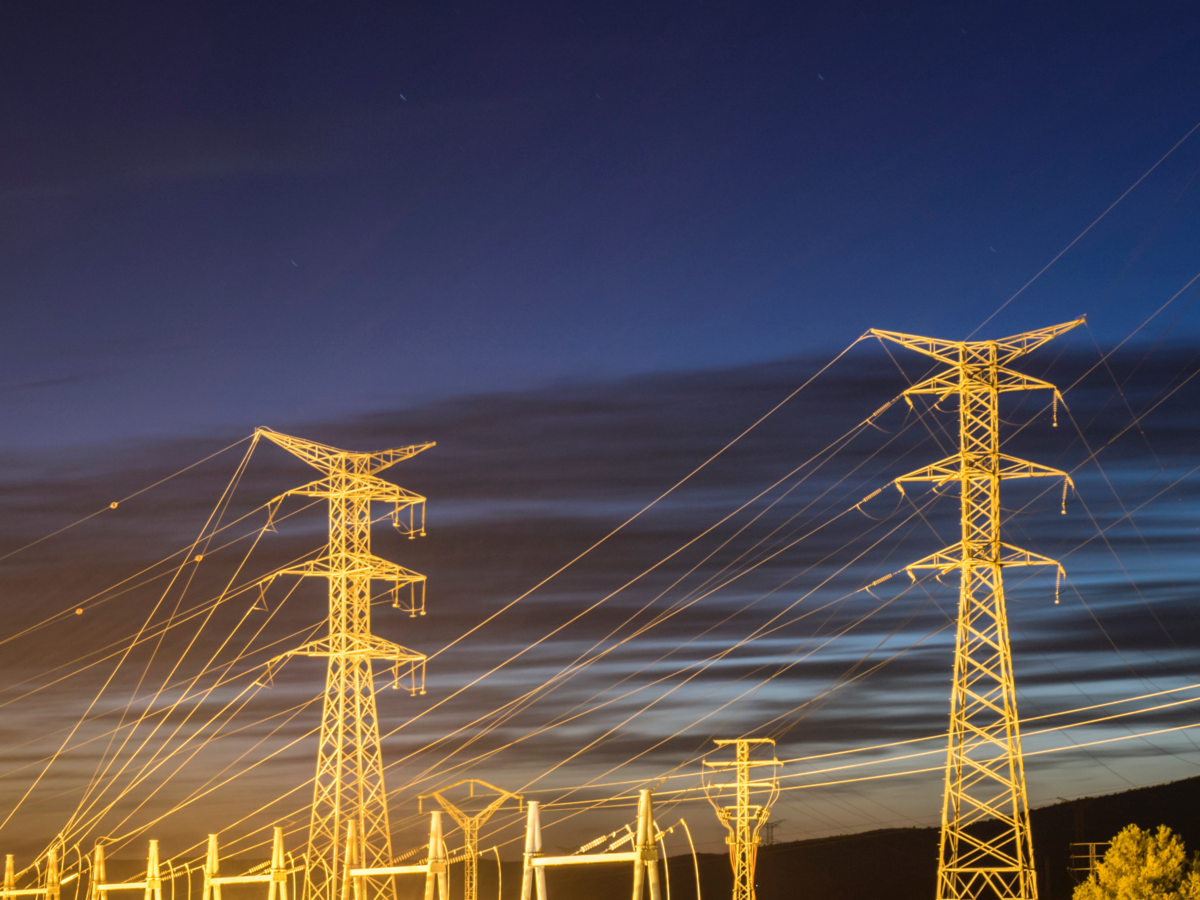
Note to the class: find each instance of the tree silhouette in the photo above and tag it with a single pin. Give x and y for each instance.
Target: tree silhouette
(1143, 866)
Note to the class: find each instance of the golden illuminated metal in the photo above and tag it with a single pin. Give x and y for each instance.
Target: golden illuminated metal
(470, 825)
(743, 820)
(644, 854)
(436, 867)
(52, 888)
(985, 775)
(151, 886)
(276, 876)
(349, 785)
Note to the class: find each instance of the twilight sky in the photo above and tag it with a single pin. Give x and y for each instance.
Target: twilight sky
(582, 246)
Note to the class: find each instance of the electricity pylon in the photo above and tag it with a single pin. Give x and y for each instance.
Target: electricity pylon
(470, 823)
(743, 820)
(349, 783)
(985, 774)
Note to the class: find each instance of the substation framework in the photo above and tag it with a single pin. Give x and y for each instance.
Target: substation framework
(644, 855)
(985, 774)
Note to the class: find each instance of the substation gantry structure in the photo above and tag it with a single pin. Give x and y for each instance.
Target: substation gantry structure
(275, 877)
(644, 853)
(349, 797)
(470, 823)
(985, 775)
(743, 820)
(51, 888)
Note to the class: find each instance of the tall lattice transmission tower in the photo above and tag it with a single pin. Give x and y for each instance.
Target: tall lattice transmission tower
(349, 783)
(742, 819)
(985, 775)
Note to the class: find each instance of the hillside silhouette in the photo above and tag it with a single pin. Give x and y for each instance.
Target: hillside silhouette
(899, 863)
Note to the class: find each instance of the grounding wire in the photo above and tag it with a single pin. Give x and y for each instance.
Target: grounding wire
(114, 504)
(1079, 236)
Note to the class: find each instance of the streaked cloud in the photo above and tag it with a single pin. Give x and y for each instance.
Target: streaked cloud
(735, 605)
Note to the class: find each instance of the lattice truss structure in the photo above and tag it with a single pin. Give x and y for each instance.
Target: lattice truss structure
(470, 821)
(349, 782)
(985, 776)
(743, 820)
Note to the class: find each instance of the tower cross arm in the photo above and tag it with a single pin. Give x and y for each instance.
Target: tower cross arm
(1019, 344)
(952, 352)
(1012, 467)
(734, 765)
(940, 472)
(949, 558)
(943, 351)
(1015, 556)
(942, 561)
(382, 459)
(331, 459)
(1007, 380)
(366, 646)
(946, 470)
(943, 384)
(359, 487)
(375, 567)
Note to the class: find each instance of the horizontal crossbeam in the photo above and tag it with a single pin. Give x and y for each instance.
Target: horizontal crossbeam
(331, 459)
(541, 861)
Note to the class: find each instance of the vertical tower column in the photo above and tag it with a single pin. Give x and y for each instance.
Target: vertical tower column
(985, 776)
(349, 778)
(533, 876)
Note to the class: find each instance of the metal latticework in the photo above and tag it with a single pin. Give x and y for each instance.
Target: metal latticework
(470, 822)
(743, 820)
(349, 783)
(985, 776)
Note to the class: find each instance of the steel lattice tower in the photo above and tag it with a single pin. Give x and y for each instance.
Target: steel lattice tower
(743, 820)
(985, 774)
(349, 784)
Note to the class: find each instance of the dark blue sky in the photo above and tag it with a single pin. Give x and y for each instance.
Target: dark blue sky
(582, 247)
(219, 216)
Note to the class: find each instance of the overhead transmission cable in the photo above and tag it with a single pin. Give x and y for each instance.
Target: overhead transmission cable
(114, 504)
(460, 639)
(101, 691)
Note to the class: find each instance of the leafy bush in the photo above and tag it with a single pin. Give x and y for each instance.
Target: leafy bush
(1143, 866)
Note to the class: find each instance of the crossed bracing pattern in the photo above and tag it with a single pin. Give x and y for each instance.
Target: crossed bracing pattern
(985, 777)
